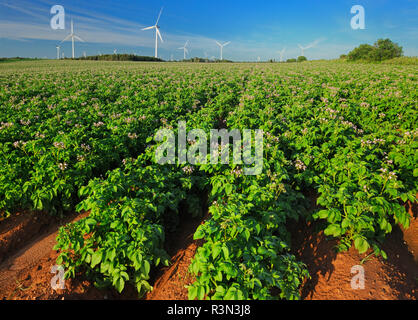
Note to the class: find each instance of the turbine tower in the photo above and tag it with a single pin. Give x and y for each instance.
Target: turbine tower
(222, 47)
(302, 49)
(185, 51)
(157, 32)
(72, 36)
(58, 52)
(281, 54)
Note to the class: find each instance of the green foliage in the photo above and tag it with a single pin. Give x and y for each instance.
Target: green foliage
(386, 49)
(403, 61)
(120, 57)
(383, 49)
(81, 136)
(302, 58)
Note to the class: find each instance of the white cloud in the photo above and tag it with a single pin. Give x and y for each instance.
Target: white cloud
(102, 29)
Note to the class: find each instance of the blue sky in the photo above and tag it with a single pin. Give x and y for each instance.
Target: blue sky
(255, 28)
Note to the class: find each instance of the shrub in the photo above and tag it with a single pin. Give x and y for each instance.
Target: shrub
(383, 49)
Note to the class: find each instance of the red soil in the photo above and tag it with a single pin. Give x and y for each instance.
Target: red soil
(26, 243)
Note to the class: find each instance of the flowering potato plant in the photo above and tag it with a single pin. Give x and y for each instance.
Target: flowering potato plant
(82, 137)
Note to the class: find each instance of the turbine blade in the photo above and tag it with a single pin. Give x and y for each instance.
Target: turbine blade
(226, 43)
(218, 43)
(66, 38)
(78, 38)
(159, 34)
(187, 51)
(148, 28)
(159, 16)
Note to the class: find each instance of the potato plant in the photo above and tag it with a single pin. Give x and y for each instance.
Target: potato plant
(80, 137)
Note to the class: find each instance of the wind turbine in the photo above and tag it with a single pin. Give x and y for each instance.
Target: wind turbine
(222, 47)
(157, 32)
(281, 54)
(58, 52)
(72, 36)
(311, 45)
(185, 51)
(115, 51)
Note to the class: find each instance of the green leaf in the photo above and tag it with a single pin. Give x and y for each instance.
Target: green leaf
(90, 222)
(192, 293)
(345, 223)
(96, 258)
(247, 234)
(216, 250)
(199, 234)
(225, 250)
(323, 214)
(361, 244)
(200, 293)
(119, 284)
(228, 189)
(385, 225)
(146, 267)
(333, 230)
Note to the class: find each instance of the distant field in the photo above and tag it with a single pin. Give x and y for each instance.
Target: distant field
(340, 146)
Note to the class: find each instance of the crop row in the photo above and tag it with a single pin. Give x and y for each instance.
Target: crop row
(349, 135)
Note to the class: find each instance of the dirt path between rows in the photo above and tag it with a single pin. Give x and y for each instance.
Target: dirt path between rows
(25, 273)
(331, 273)
(28, 241)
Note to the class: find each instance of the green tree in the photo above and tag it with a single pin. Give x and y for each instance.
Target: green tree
(383, 49)
(302, 58)
(363, 52)
(386, 49)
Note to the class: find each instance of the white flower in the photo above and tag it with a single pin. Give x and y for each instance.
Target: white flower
(188, 169)
(59, 145)
(299, 165)
(85, 147)
(98, 124)
(132, 136)
(63, 166)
